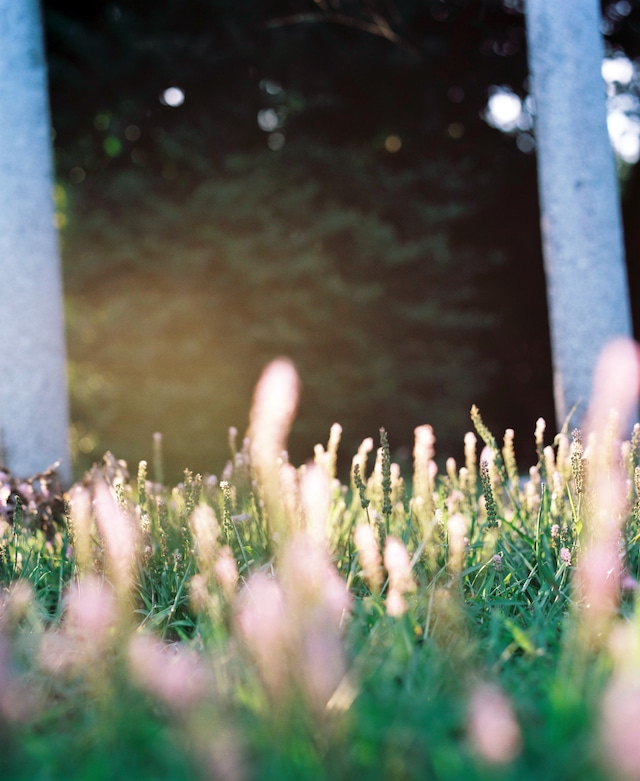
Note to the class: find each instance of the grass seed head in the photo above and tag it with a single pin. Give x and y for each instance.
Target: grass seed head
(316, 501)
(492, 728)
(275, 402)
(119, 535)
(205, 531)
(398, 566)
(174, 675)
(369, 555)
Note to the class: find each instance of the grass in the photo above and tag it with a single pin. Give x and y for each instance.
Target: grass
(277, 624)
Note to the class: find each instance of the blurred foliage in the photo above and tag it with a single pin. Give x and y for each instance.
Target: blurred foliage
(174, 307)
(329, 189)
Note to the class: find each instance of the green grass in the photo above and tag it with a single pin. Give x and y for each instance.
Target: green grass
(242, 629)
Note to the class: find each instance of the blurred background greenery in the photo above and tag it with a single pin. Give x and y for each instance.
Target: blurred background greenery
(240, 180)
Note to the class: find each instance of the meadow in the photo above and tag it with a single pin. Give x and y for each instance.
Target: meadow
(476, 621)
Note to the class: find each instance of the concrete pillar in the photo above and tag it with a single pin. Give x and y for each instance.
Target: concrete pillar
(587, 288)
(33, 392)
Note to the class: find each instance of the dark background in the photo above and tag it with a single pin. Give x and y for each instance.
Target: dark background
(382, 234)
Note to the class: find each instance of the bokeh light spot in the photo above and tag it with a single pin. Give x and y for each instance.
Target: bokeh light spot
(276, 141)
(393, 143)
(268, 120)
(503, 109)
(77, 174)
(271, 87)
(59, 220)
(112, 146)
(173, 96)
(618, 70)
(624, 132)
(132, 133)
(87, 443)
(526, 143)
(102, 120)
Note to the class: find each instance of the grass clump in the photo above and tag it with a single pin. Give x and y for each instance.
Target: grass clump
(276, 623)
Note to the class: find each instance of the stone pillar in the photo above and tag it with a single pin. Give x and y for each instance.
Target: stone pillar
(587, 287)
(33, 392)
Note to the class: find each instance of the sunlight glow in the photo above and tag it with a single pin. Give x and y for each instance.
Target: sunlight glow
(617, 70)
(506, 112)
(503, 109)
(623, 107)
(624, 132)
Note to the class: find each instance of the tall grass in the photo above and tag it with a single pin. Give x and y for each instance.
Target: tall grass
(276, 623)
